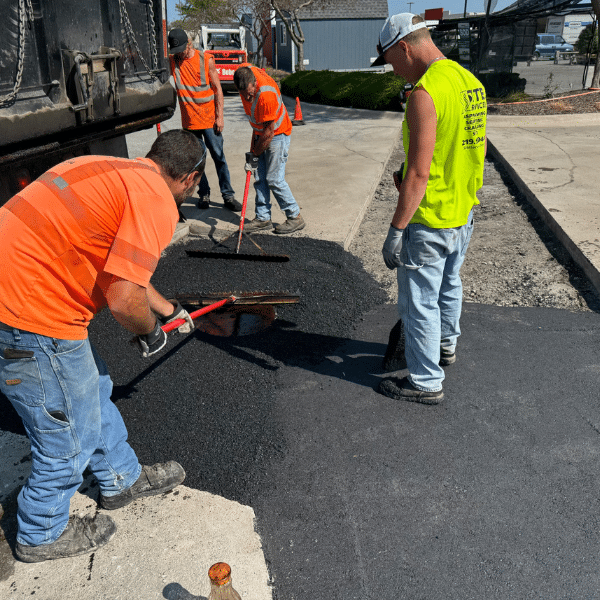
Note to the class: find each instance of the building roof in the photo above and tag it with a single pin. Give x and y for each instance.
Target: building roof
(347, 9)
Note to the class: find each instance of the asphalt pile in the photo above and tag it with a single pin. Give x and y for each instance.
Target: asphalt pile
(207, 401)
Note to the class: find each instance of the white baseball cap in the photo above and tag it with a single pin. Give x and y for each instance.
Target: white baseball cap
(394, 29)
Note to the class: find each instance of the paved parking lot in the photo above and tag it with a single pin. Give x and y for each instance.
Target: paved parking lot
(543, 76)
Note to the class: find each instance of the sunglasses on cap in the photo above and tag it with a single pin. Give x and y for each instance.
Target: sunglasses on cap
(202, 159)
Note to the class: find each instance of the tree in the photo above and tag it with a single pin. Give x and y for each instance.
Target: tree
(596, 76)
(288, 11)
(195, 13)
(582, 45)
(254, 15)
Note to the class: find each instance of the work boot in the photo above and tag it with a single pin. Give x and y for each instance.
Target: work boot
(204, 202)
(82, 536)
(447, 357)
(403, 389)
(157, 479)
(257, 225)
(232, 204)
(290, 225)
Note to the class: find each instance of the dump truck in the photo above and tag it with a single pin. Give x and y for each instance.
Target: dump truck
(228, 47)
(75, 78)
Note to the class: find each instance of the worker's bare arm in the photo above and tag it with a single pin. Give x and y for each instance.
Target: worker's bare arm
(130, 305)
(262, 142)
(422, 123)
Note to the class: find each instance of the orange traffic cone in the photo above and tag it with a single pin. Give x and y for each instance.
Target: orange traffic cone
(298, 114)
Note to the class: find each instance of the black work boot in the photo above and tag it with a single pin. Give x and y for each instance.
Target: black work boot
(290, 225)
(447, 357)
(82, 536)
(403, 389)
(257, 225)
(232, 204)
(204, 202)
(157, 479)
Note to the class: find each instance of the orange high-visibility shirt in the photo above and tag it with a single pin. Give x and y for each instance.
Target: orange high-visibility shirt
(267, 104)
(196, 97)
(66, 234)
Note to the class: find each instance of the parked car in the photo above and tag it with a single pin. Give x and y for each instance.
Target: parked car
(547, 44)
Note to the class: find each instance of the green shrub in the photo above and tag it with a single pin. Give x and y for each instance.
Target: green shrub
(373, 91)
(583, 41)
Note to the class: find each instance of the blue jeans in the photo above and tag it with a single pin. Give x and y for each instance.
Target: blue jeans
(214, 143)
(270, 177)
(62, 394)
(430, 297)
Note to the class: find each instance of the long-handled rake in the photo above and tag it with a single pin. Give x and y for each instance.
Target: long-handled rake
(250, 166)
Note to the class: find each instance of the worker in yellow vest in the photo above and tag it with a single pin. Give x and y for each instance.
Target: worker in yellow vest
(271, 130)
(444, 137)
(201, 103)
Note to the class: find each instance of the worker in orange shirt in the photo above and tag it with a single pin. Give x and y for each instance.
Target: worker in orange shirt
(270, 142)
(86, 234)
(201, 103)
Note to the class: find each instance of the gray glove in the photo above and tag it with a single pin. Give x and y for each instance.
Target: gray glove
(391, 248)
(151, 343)
(179, 313)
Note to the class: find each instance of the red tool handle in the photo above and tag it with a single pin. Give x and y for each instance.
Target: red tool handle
(244, 203)
(198, 313)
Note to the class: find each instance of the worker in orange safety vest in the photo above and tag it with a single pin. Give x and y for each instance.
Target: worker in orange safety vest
(272, 128)
(201, 104)
(85, 235)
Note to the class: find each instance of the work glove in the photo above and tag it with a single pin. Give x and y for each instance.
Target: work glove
(179, 313)
(151, 343)
(251, 162)
(391, 248)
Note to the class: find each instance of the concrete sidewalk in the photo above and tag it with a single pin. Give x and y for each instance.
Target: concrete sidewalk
(554, 162)
(334, 165)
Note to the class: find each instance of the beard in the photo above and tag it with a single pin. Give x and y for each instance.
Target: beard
(183, 196)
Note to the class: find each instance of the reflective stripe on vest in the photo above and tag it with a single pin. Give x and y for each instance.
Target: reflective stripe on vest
(83, 221)
(259, 127)
(204, 89)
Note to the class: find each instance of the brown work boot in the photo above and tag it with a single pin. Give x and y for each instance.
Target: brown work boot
(82, 536)
(157, 479)
(257, 225)
(290, 225)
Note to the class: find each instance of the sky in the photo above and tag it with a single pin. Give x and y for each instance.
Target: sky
(396, 6)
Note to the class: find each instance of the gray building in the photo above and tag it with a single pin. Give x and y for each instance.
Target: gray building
(341, 35)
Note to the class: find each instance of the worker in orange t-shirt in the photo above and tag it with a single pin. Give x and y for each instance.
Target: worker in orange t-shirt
(272, 128)
(201, 104)
(86, 234)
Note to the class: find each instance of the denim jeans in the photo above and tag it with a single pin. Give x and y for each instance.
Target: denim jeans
(214, 143)
(62, 394)
(430, 297)
(270, 177)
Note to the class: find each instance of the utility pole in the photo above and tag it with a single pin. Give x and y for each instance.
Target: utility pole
(410, 6)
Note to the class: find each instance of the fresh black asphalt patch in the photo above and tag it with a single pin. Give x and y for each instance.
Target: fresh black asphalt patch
(492, 494)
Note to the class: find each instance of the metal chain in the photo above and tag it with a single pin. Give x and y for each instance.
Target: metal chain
(131, 36)
(23, 10)
(153, 35)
